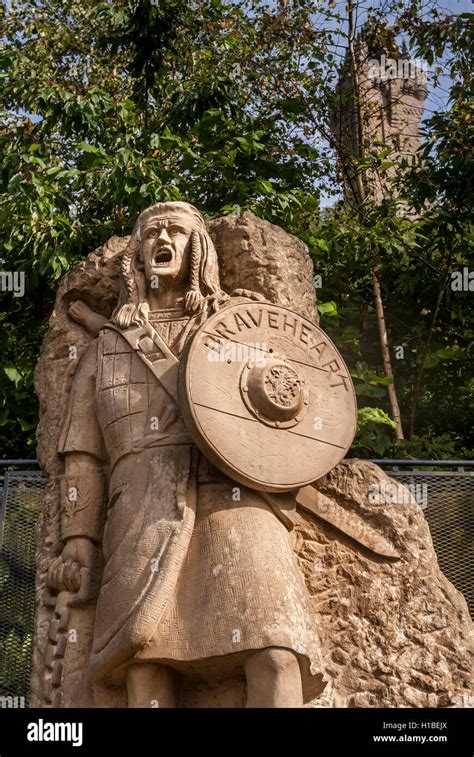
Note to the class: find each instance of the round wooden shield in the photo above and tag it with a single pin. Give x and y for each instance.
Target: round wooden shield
(267, 397)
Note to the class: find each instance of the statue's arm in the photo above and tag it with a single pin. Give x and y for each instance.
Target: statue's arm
(82, 518)
(83, 497)
(83, 503)
(83, 486)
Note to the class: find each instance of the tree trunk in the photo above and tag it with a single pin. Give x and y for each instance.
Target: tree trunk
(359, 117)
(392, 394)
(361, 190)
(417, 387)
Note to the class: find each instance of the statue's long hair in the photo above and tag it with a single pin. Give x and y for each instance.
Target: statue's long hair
(204, 291)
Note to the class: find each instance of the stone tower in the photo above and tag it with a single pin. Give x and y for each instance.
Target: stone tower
(393, 91)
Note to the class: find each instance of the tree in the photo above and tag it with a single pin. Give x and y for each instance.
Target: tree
(108, 107)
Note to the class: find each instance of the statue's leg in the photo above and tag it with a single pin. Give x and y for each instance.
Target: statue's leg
(151, 685)
(273, 679)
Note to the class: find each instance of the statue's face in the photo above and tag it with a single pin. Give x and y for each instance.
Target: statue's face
(166, 250)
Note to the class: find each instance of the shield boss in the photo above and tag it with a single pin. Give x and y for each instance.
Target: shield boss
(267, 397)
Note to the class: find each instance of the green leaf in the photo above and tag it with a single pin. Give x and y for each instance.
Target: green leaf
(374, 415)
(13, 375)
(26, 425)
(264, 186)
(327, 308)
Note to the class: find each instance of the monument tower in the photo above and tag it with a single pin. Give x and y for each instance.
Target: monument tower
(392, 93)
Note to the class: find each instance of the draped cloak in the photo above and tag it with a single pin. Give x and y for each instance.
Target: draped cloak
(197, 568)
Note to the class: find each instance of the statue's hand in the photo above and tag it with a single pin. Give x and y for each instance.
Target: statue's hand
(80, 312)
(249, 294)
(79, 559)
(82, 550)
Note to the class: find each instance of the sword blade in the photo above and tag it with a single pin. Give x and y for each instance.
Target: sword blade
(310, 499)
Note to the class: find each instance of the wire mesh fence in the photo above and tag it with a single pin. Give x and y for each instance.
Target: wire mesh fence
(446, 496)
(22, 494)
(447, 500)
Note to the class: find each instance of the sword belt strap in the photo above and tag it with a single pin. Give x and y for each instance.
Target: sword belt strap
(152, 349)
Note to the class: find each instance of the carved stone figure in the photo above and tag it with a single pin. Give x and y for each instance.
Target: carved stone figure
(185, 558)
(198, 573)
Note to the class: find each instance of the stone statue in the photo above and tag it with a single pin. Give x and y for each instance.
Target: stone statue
(187, 554)
(193, 580)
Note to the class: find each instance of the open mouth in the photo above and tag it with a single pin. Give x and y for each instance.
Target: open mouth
(163, 257)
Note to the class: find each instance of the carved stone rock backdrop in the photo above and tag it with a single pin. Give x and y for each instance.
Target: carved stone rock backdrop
(395, 632)
(262, 257)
